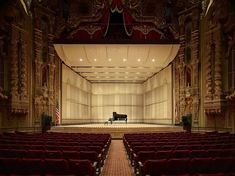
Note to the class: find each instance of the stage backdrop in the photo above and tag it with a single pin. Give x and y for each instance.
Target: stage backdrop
(83, 102)
(115, 97)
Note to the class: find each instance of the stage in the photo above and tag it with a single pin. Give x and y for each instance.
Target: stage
(116, 130)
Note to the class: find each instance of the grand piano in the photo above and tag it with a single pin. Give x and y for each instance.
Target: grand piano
(119, 117)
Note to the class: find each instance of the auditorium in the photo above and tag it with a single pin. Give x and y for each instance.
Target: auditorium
(117, 87)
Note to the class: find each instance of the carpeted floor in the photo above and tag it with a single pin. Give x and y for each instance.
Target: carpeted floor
(117, 163)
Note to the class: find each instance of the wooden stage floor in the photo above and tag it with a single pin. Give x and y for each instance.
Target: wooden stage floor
(116, 130)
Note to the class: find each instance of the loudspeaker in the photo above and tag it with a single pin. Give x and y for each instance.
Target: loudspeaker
(46, 122)
(187, 122)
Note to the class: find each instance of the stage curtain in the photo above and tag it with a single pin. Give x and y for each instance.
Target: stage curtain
(128, 22)
(105, 21)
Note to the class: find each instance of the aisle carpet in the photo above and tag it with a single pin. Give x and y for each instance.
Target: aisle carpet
(117, 163)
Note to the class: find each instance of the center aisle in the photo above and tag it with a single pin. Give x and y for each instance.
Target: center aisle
(117, 163)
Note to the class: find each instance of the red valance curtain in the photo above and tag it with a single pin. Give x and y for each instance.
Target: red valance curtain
(134, 29)
(116, 6)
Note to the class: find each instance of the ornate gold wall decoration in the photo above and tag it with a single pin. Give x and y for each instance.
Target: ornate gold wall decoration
(44, 63)
(187, 65)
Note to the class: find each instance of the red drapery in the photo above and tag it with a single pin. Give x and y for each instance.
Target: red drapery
(134, 29)
(116, 6)
(128, 22)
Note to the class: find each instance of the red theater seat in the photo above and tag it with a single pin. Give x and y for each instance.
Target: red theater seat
(81, 168)
(30, 166)
(55, 166)
(177, 166)
(154, 167)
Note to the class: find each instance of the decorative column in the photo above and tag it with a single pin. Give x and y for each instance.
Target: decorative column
(38, 98)
(209, 68)
(38, 62)
(23, 73)
(218, 72)
(14, 72)
(51, 78)
(51, 89)
(195, 66)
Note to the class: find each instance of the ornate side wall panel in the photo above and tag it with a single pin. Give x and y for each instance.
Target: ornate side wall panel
(19, 103)
(186, 66)
(219, 65)
(14, 60)
(44, 62)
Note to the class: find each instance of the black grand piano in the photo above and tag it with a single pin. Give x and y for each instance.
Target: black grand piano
(118, 117)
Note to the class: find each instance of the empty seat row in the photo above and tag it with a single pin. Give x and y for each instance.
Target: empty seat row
(63, 139)
(54, 147)
(15, 166)
(143, 156)
(182, 153)
(137, 148)
(92, 156)
(186, 166)
(176, 146)
(49, 147)
(49, 142)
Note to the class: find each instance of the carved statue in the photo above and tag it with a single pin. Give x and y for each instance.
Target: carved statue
(44, 91)
(2, 95)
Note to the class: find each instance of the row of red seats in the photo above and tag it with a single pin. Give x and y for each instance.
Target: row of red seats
(53, 140)
(140, 150)
(20, 153)
(136, 148)
(206, 151)
(186, 166)
(55, 137)
(179, 142)
(16, 166)
(57, 134)
(194, 145)
(186, 153)
(95, 158)
(159, 145)
(181, 136)
(143, 156)
(52, 147)
(55, 145)
(156, 147)
(21, 146)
